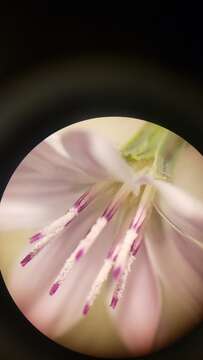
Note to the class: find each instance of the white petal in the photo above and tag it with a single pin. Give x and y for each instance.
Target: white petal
(96, 156)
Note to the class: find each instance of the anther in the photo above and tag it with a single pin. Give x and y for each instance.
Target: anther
(42, 238)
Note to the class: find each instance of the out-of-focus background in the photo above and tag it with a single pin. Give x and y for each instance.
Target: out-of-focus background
(161, 54)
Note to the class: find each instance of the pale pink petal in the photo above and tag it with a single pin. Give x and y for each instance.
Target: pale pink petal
(138, 313)
(42, 188)
(193, 253)
(96, 156)
(181, 277)
(29, 286)
(182, 209)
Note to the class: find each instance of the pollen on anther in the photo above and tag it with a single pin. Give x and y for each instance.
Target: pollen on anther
(36, 237)
(26, 259)
(116, 272)
(54, 288)
(86, 309)
(114, 302)
(79, 254)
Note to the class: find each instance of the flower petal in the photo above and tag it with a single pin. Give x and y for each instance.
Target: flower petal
(138, 312)
(96, 156)
(29, 286)
(41, 189)
(181, 283)
(183, 210)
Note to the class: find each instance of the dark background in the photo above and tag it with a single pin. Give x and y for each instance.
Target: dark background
(55, 70)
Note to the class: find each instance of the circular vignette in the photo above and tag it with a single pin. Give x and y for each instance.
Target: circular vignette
(60, 94)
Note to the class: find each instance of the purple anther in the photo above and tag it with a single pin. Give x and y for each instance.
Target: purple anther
(136, 226)
(136, 247)
(115, 257)
(132, 246)
(54, 288)
(114, 302)
(26, 259)
(116, 272)
(79, 205)
(82, 206)
(36, 237)
(135, 250)
(86, 309)
(79, 254)
(110, 253)
(109, 212)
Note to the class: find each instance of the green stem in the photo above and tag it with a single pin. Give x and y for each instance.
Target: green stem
(155, 147)
(143, 144)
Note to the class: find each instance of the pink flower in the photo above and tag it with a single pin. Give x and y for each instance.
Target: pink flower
(97, 218)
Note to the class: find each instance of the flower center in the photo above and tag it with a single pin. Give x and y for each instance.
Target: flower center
(121, 253)
(151, 151)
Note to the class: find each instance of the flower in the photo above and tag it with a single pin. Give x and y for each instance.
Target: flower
(100, 214)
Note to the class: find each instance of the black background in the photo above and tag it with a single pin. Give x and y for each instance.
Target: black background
(149, 66)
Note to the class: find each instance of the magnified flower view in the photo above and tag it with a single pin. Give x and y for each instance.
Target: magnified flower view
(101, 237)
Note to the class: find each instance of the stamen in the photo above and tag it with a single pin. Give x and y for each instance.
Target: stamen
(139, 218)
(121, 284)
(133, 231)
(100, 279)
(54, 230)
(54, 288)
(80, 204)
(36, 249)
(128, 240)
(81, 249)
(58, 225)
(116, 203)
(43, 237)
(93, 234)
(136, 245)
